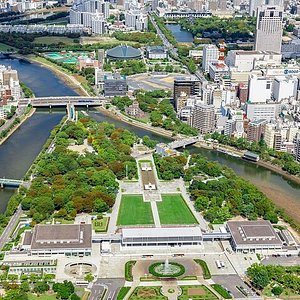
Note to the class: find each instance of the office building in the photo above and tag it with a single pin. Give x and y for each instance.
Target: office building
(256, 130)
(204, 118)
(217, 71)
(254, 4)
(297, 147)
(269, 29)
(285, 87)
(189, 86)
(260, 89)
(257, 111)
(115, 85)
(210, 54)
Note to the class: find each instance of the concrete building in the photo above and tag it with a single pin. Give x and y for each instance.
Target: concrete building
(210, 54)
(256, 130)
(266, 111)
(136, 20)
(98, 24)
(245, 61)
(285, 87)
(114, 85)
(204, 118)
(297, 147)
(190, 86)
(156, 52)
(260, 89)
(217, 71)
(269, 29)
(68, 240)
(253, 236)
(162, 237)
(254, 4)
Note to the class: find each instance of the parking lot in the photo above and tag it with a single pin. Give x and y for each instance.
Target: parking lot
(282, 260)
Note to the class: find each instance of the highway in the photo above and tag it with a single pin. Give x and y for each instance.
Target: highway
(5, 237)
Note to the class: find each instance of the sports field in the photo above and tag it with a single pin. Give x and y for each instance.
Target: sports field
(134, 211)
(173, 210)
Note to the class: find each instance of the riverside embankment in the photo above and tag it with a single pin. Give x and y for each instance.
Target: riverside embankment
(24, 145)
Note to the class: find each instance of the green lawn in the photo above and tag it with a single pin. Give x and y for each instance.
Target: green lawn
(147, 293)
(196, 292)
(173, 210)
(134, 211)
(53, 40)
(41, 297)
(100, 225)
(6, 48)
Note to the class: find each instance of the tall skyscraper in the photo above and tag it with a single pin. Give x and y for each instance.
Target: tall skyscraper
(204, 118)
(254, 4)
(210, 54)
(269, 29)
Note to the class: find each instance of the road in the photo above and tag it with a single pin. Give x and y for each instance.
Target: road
(19, 112)
(111, 285)
(10, 227)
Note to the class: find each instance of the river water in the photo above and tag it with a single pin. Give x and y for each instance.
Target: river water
(17, 154)
(181, 35)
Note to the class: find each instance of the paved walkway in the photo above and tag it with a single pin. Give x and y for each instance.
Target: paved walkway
(155, 214)
(112, 226)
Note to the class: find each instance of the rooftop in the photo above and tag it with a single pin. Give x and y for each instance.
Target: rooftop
(259, 232)
(161, 232)
(62, 236)
(123, 52)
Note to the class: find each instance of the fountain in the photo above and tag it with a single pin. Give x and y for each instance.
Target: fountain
(80, 270)
(166, 269)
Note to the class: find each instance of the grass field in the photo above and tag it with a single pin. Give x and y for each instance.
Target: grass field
(134, 211)
(53, 40)
(41, 297)
(196, 292)
(174, 210)
(6, 48)
(147, 293)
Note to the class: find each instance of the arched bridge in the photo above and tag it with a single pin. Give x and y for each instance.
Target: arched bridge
(62, 101)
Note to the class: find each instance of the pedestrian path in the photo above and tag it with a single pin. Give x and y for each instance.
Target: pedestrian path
(155, 214)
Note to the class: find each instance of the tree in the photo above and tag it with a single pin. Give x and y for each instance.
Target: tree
(89, 277)
(277, 290)
(259, 276)
(100, 206)
(41, 287)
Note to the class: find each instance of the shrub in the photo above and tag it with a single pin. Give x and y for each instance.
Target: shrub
(205, 269)
(128, 270)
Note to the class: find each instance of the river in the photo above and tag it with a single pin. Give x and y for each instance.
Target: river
(17, 154)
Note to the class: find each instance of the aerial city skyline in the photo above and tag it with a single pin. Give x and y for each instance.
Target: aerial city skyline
(149, 149)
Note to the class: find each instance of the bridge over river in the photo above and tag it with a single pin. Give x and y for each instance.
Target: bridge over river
(62, 101)
(6, 182)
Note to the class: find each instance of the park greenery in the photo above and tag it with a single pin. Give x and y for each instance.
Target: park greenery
(204, 267)
(179, 270)
(149, 38)
(161, 112)
(128, 270)
(221, 290)
(28, 93)
(67, 183)
(126, 67)
(281, 279)
(226, 28)
(284, 160)
(226, 196)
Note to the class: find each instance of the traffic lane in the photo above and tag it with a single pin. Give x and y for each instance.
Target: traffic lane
(230, 282)
(112, 285)
(281, 260)
(96, 292)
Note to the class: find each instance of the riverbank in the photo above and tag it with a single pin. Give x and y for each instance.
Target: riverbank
(22, 120)
(68, 79)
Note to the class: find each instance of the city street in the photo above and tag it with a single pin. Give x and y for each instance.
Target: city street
(111, 285)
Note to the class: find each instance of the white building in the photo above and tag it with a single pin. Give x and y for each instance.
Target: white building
(245, 61)
(260, 89)
(210, 54)
(284, 87)
(98, 24)
(218, 70)
(262, 111)
(269, 29)
(136, 20)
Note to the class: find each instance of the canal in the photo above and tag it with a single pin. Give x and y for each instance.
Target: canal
(17, 154)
